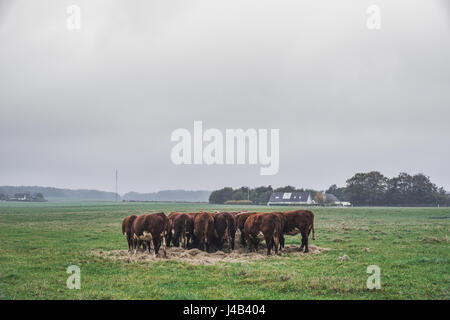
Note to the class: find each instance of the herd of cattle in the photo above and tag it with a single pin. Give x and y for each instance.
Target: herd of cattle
(205, 231)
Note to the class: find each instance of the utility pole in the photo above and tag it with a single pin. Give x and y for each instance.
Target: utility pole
(117, 188)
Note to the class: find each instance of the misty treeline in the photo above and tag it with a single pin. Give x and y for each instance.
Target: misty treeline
(52, 194)
(35, 197)
(363, 189)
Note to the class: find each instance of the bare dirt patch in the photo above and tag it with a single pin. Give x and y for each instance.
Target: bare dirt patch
(198, 257)
(434, 240)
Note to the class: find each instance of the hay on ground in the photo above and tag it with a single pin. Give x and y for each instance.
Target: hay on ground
(199, 257)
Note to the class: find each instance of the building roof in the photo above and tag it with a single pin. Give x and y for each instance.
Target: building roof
(289, 197)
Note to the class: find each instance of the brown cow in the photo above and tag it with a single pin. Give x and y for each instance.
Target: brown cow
(240, 221)
(203, 230)
(299, 221)
(181, 229)
(169, 235)
(126, 230)
(151, 227)
(265, 225)
(225, 229)
(283, 226)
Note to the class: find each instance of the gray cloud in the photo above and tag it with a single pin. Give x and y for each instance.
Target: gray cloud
(76, 105)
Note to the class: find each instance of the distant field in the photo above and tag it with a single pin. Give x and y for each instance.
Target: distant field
(40, 240)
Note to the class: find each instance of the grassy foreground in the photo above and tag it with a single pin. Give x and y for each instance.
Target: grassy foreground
(40, 240)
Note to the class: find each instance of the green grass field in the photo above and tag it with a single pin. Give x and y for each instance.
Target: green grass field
(40, 240)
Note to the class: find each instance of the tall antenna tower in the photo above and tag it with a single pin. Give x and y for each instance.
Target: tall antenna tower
(117, 188)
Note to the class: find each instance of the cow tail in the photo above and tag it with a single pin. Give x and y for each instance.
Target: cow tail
(164, 242)
(183, 234)
(206, 233)
(227, 233)
(276, 238)
(185, 226)
(312, 227)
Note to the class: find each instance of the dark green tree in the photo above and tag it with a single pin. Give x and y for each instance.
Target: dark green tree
(423, 191)
(285, 189)
(220, 196)
(399, 189)
(367, 188)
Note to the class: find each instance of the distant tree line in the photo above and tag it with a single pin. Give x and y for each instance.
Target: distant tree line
(35, 197)
(363, 189)
(373, 188)
(259, 195)
(51, 193)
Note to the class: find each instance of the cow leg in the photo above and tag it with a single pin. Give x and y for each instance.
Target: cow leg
(156, 245)
(250, 243)
(149, 244)
(306, 244)
(276, 244)
(182, 240)
(168, 239)
(243, 239)
(194, 241)
(135, 245)
(268, 244)
(138, 244)
(253, 243)
(188, 239)
(281, 242)
(129, 244)
(303, 243)
(257, 241)
(179, 239)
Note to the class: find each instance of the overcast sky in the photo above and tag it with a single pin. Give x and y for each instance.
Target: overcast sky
(76, 105)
